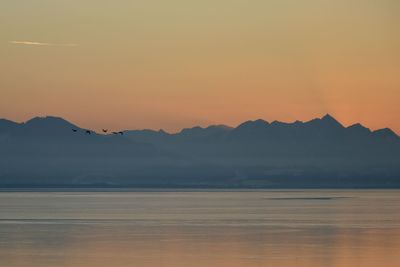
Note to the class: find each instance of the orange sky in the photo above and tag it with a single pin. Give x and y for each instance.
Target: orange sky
(172, 64)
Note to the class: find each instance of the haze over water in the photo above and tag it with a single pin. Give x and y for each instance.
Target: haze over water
(201, 228)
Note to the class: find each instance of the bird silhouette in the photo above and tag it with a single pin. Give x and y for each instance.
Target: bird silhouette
(74, 130)
(88, 132)
(121, 133)
(105, 130)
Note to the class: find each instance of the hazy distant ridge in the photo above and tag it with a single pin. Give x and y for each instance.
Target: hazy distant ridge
(45, 150)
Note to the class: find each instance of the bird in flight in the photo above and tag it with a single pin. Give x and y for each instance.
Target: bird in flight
(74, 130)
(121, 133)
(105, 130)
(88, 132)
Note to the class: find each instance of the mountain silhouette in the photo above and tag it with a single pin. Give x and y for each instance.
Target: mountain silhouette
(44, 151)
(53, 137)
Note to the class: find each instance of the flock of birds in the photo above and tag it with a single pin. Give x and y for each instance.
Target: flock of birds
(104, 131)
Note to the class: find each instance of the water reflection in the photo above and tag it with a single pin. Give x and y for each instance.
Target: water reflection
(200, 229)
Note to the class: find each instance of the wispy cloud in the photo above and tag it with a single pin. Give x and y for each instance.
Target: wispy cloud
(39, 43)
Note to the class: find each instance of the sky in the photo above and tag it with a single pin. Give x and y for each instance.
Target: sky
(128, 64)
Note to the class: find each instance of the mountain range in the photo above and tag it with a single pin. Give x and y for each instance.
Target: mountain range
(45, 151)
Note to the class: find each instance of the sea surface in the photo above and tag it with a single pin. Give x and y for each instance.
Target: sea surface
(303, 228)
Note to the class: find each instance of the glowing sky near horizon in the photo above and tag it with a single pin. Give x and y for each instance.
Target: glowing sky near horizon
(173, 64)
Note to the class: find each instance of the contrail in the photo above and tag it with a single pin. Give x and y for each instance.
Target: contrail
(39, 43)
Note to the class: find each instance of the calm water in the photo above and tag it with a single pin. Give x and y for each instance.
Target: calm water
(208, 229)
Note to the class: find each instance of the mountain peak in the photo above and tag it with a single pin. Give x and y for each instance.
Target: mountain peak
(385, 133)
(280, 123)
(358, 129)
(48, 122)
(191, 130)
(358, 126)
(45, 118)
(255, 123)
(201, 131)
(219, 126)
(261, 121)
(328, 117)
(330, 120)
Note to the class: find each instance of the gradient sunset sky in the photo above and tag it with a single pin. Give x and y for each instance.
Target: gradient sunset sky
(174, 64)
